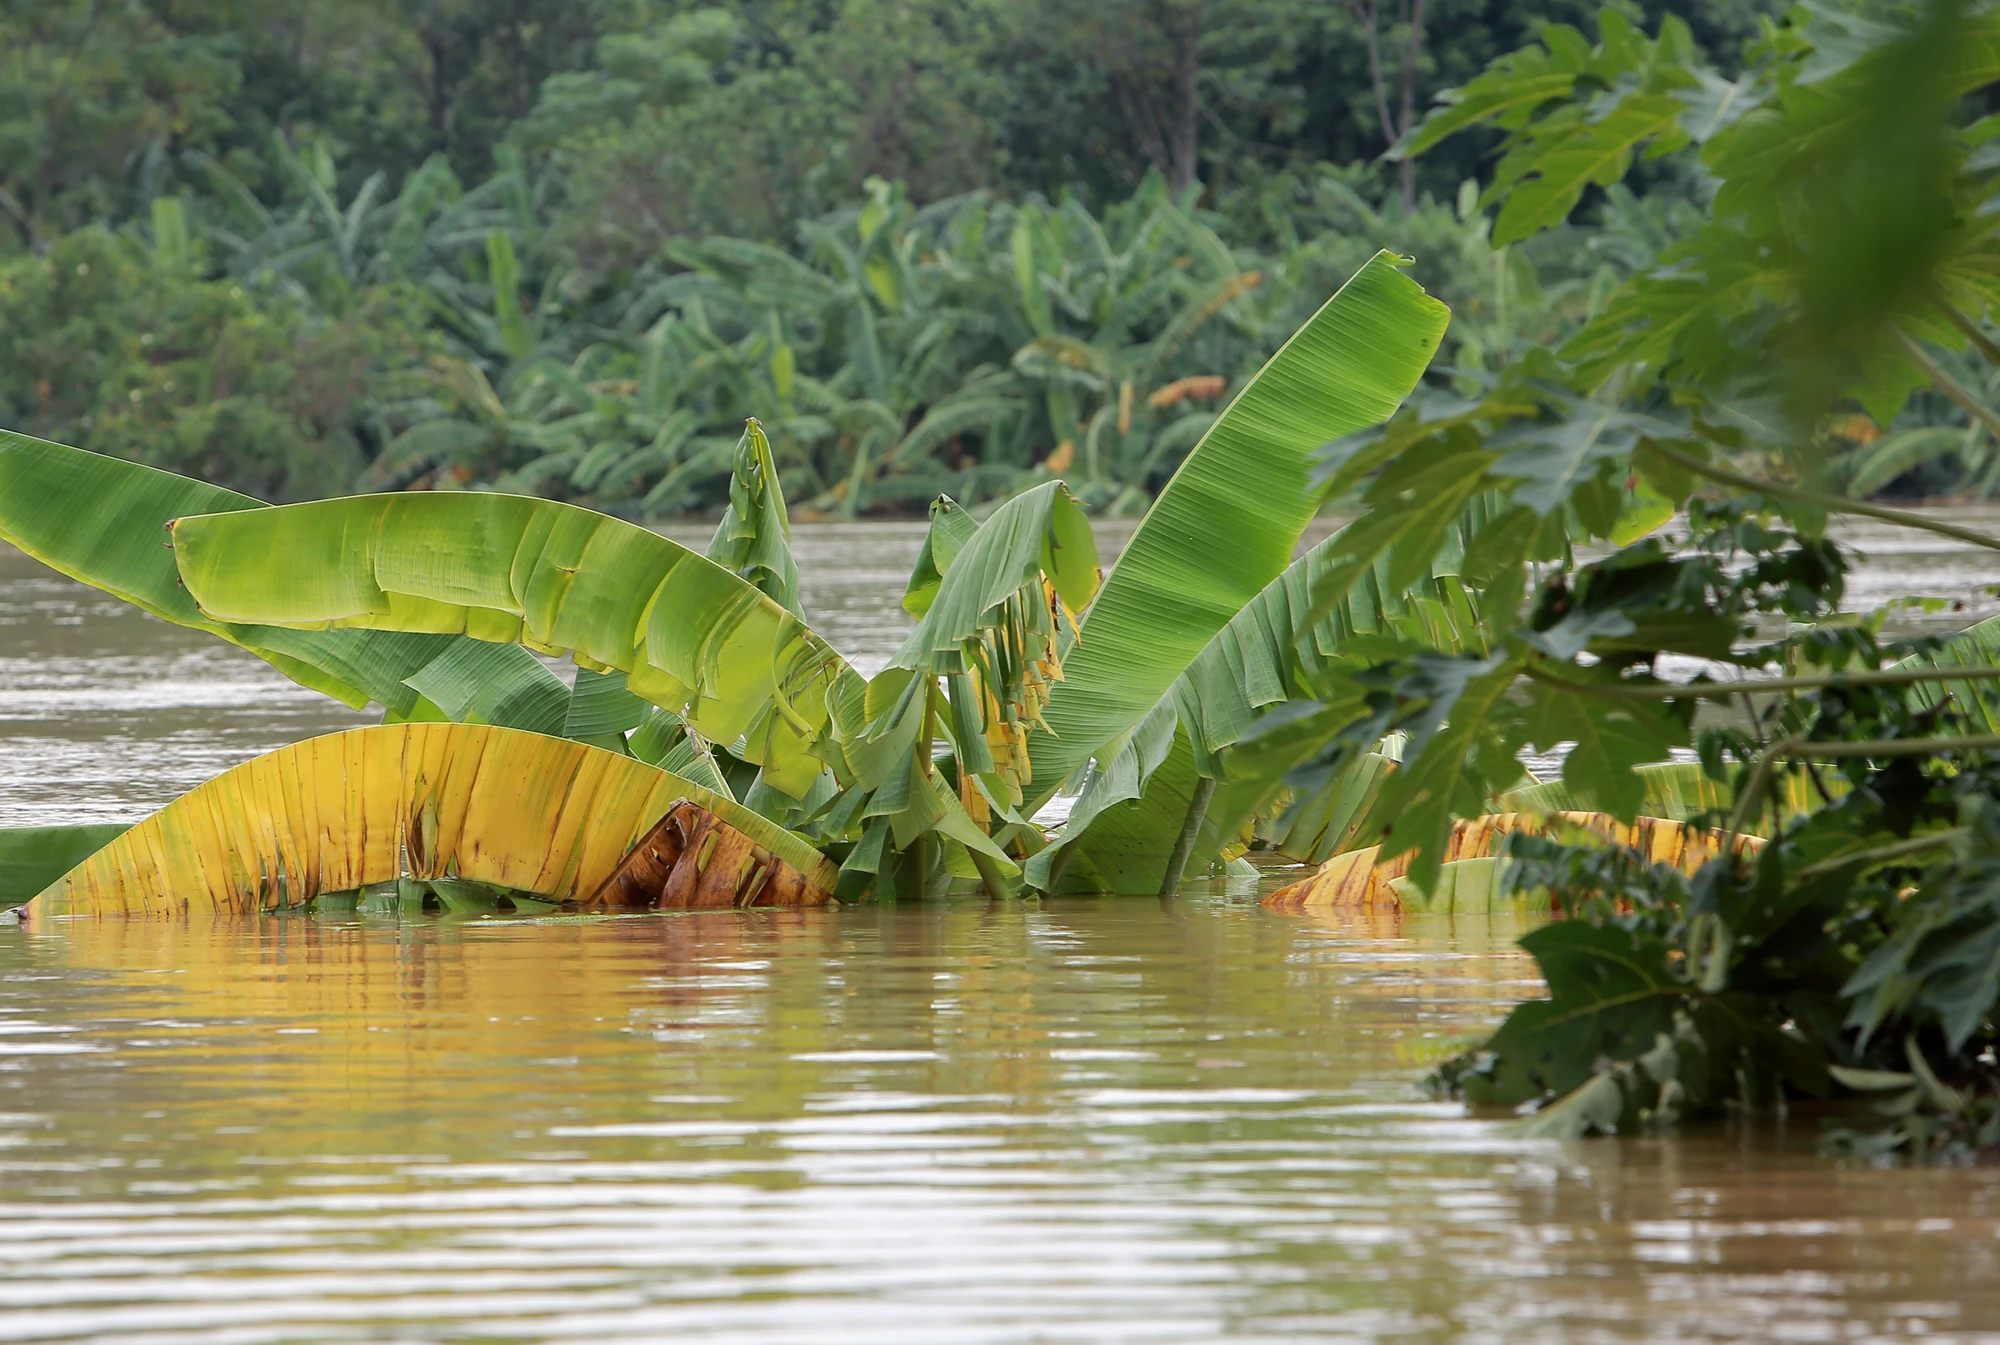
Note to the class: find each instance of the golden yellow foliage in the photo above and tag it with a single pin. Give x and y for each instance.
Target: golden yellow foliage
(1355, 881)
(517, 810)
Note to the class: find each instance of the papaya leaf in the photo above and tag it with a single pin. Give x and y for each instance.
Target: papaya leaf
(1611, 994)
(1455, 758)
(1611, 738)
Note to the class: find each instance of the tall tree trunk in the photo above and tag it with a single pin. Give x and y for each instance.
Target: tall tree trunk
(1410, 18)
(1412, 14)
(1161, 99)
(13, 210)
(1185, 155)
(440, 91)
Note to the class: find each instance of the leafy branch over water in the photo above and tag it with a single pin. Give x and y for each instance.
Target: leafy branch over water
(1856, 951)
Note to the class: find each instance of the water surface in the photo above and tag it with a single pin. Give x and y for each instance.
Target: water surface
(1075, 1121)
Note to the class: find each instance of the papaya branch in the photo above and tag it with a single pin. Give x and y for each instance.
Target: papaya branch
(1884, 854)
(1888, 747)
(1723, 690)
(1971, 330)
(1833, 504)
(1965, 398)
(1798, 748)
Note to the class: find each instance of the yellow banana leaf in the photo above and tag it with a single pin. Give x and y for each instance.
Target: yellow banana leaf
(546, 816)
(1354, 880)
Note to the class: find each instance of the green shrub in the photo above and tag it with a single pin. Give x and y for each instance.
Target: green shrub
(104, 345)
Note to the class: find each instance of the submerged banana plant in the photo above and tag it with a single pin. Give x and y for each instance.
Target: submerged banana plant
(993, 604)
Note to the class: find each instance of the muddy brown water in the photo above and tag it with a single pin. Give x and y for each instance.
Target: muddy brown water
(1057, 1121)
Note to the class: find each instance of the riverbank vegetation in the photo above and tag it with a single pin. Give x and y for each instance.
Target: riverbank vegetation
(1842, 272)
(565, 249)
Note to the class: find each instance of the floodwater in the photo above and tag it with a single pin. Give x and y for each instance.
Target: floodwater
(1073, 1121)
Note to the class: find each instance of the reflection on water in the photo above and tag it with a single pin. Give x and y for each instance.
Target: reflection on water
(1079, 1121)
(1057, 1122)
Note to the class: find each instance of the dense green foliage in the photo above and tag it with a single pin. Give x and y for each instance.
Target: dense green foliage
(1842, 270)
(537, 245)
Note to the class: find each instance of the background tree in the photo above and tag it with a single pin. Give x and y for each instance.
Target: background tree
(1405, 41)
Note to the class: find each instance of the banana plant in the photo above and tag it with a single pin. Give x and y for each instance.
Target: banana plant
(1022, 665)
(103, 521)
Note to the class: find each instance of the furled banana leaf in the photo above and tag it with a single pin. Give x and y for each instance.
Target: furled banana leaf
(102, 521)
(754, 538)
(1225, 526)
(33, 857)
(1136, 799)
(691, 636)
(488, 805)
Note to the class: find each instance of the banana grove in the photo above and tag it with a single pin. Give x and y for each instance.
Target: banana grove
(713, 750)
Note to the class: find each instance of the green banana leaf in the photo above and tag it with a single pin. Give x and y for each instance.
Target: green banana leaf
(102, 521)
(468, 685)
(1129, 815)
(691, 636)
(600, 710)
(31, 858)
(1978, 701)
(1870, 469)
(662, 740)
(1674, 789)
(1470, 887)
(1336, 815)
(951, 528)
(1227, 522)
